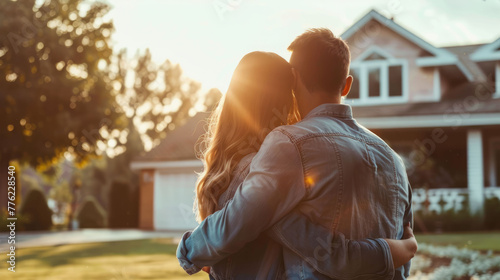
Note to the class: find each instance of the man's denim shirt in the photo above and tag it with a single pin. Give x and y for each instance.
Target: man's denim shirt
(328, 168)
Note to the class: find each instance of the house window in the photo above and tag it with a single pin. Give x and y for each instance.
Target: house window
(374, 81)
(395, 81)
(378, 79)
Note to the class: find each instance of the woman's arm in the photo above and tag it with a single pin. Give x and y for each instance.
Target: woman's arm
(337, 257)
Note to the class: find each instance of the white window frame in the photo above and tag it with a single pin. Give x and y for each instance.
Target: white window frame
(383, 65)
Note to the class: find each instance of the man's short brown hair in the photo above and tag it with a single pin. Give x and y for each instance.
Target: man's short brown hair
(322, 59)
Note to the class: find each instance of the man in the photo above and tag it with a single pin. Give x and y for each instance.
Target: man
(327, 167)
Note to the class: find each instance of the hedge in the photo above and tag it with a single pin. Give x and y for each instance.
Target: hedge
(36, 212)
(91, 214)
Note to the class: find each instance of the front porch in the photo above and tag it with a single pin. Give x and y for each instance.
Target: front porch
(450, 169)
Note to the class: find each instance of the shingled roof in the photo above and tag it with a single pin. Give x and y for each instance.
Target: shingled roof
(180, 143)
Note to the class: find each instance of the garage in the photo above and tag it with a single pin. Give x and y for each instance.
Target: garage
(173, 200)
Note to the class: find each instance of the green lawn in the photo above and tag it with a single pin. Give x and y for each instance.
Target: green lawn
(155, 258)
(475, 241)
(139, 259)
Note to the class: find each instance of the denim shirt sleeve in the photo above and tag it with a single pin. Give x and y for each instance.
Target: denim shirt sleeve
(189, 267)
(408, 218)
(274, 186)
(332, 254)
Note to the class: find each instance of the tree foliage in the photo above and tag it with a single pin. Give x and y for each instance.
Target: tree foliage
(50, 78)
(53, 92)
(155, 98)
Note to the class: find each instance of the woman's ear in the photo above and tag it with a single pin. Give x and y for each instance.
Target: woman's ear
(347, 87)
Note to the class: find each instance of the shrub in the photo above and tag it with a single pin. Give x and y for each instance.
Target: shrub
(91, 214)
(119, 205)
(37, 213)
(492, 214)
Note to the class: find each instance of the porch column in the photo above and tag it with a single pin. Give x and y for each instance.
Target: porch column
(475, 179)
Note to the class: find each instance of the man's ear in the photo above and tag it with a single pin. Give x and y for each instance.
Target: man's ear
(347, 87)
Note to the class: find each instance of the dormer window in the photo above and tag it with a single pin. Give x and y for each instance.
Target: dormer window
(378, 79)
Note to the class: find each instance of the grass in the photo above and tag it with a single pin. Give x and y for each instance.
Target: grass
(138, 259)
(155, 258)
(475, 241)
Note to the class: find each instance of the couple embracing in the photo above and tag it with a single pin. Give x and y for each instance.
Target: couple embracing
(313, 195)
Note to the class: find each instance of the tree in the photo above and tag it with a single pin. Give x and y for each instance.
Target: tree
(158, 99)
(54, 95)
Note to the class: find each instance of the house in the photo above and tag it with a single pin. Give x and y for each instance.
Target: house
(439, 108)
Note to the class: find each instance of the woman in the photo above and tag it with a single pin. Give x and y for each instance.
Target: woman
(258, 100)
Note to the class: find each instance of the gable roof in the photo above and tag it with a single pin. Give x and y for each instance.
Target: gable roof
(439, 56)
(487, 52)
(180, 143)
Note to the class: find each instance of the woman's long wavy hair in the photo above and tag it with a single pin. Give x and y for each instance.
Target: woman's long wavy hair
(259, 99)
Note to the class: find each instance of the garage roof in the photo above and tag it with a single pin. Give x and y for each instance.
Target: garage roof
(180, 143)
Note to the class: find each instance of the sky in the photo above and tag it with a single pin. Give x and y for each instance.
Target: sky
(209, 37)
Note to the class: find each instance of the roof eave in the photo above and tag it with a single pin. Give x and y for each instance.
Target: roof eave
(487, 52)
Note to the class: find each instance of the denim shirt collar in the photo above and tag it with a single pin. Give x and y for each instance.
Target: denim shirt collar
(331, 109)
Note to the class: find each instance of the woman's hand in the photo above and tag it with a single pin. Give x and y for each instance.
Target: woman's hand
(403, 250)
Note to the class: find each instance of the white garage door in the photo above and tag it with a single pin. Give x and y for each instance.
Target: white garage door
(173, 201)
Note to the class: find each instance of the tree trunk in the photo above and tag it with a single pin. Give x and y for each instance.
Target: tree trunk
(4, 168)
